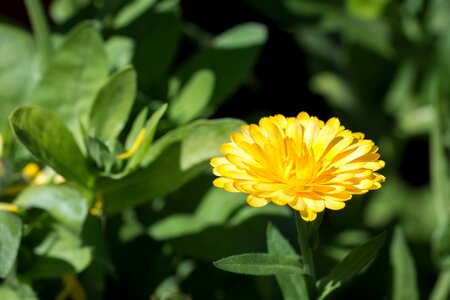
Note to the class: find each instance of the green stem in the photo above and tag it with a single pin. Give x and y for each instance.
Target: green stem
(306, 251)
(442, 287)
(437, 156)
(40, 28)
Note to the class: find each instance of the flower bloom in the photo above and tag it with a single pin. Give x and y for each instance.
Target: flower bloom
(302, 162)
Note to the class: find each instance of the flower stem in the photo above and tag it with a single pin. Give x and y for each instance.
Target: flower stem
(306, 251)
(40, 28)
(442, 287)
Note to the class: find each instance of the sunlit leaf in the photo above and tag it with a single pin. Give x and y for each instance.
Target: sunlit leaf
(17, 68)
(193, 97)
(119, 50)
(46, 137)
(73, 77)
(9, 294)
(65, 204)
(261, 264)
(10, 235)
(113, 104)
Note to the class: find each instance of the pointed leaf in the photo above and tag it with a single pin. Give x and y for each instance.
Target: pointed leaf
(404, 277)
(10, 235)
(138, 124)
(46, 137)
(63, 203)
(292, 286)
(113, 104)
(150, 129)
(193, 98)
(358, 259)
(74, 76)
(261, 264)
(132, 11)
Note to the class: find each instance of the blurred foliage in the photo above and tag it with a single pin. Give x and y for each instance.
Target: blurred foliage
(120, 110)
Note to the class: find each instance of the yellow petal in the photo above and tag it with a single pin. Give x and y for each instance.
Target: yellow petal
(308, 215)
(257, 202)
(334, 205)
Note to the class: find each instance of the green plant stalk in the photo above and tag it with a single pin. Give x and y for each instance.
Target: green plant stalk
(306, 251)
(40, 28)
(442, 287)
(438, 176)
(437, 155)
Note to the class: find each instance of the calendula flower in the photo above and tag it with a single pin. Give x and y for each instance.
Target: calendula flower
(301, 162)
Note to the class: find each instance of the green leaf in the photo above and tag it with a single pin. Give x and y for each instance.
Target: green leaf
(365, 9)
(242, 36)
(261, 264)
(171, 161)
(177, 225)
(44, 267)
(10, 235)
(138, 124)
(292, 286)
(64, 245)
(193, 98)
(150, 129)
(74, 76)
(46, 137)
(9, 294)
(404, 271)
(63, 203)
(17, 68)
(132, 11)
(208, 209)
(441, 245)
(119, 50)
(335, 90)
(113, 104)
(355, 262)
(207, 214)
(401, 90)
(374, 35)
(99, 152)
(156, 48)
(230, 57)
(63, 10)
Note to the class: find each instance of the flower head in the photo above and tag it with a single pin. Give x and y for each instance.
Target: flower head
(302, 162)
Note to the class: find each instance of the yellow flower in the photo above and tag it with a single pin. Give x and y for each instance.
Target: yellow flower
(302, 162)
